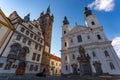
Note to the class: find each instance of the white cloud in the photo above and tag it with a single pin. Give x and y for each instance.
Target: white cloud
(116, 45)
(102, 5)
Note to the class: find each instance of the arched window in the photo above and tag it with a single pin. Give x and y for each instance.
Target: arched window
(106, 53)
(22, 53)
(98, 36)
(65, 44)
(64, 32)
(111, 66)
(14, 50)
(92, 23)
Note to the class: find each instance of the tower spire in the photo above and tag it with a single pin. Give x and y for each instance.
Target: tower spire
(87, 12)
(65, 21)
(48, 9)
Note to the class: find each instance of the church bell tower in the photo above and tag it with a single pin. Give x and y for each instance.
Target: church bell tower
(46, 21)
(90, 19)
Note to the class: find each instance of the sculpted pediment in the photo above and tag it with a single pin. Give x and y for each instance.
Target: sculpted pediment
(77, 29)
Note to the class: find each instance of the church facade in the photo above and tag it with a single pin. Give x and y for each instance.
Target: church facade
(86, 49)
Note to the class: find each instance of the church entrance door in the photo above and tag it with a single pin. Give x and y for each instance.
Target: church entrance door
(98, 68)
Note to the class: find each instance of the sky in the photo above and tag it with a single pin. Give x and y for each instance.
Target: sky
(107, 12)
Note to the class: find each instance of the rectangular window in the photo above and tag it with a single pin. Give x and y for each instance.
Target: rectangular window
(36, 46)
(27, 32)
(24, 40)
(31, 35)
(79, 38)
(30, 27)
(1, 65)
(22, 29)
(34, 56)
(29, 43)
(39, 48)
(38, 57)
(66, 67)
(13, 66)
(65, 58)
(39, 33)
(8, 65)
(73, 56)
(71, 40)
(31, 67)
(35, 37)
(93, 53)
(41, 41)
(88, 37)
(52, 63)
(38, 39)
(18, 37)
(36, 67)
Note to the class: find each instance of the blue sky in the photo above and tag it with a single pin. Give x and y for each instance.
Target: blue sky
(107, 12)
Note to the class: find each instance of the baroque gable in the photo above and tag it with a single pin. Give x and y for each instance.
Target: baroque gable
(78, 28)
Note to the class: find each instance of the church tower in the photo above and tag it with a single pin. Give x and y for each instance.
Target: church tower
(90, 19)
(46, 21)
(65, 30)
(66, 27)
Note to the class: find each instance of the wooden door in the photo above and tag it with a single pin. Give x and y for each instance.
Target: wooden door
(21, 68)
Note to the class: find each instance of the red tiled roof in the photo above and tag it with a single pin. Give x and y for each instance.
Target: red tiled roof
(55, 57)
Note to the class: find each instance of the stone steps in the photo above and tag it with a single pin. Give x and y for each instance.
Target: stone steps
(53, 78)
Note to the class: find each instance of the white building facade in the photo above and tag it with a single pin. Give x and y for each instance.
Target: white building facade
(97, 53)
(23, 52)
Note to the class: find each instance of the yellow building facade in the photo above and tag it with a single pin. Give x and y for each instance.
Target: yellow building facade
(5, 29)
